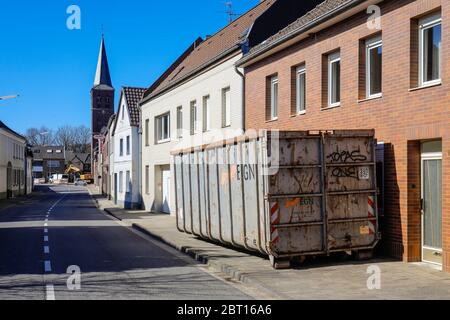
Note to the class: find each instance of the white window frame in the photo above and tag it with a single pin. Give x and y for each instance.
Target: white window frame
(127, 181)
(226, 107)
(128, 140)
(121, 147)
(121, 182)
(206, 113)
(194, 117)
(425, 24)
(161, 127)
(301, 71)
(274, 99)
(147, 179)
(180, 122)
(333, 58)
(147, 132)
(372, 44)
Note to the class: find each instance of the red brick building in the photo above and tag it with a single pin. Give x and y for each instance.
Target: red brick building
(340, 67)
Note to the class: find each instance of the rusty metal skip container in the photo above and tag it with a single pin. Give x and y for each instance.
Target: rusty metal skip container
(283, 194)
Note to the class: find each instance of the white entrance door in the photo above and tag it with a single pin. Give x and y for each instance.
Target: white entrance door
(432, 204)
(166, 191)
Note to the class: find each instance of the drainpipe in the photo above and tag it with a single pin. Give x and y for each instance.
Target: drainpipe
(243, 96)
(140, 162)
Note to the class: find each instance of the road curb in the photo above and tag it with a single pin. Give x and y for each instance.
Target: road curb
(108, 211)
(232, 272)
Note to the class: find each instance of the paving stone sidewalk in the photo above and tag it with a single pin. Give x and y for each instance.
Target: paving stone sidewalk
(323, 278)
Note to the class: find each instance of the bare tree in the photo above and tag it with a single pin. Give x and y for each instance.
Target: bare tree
(32, 135)
(66, 136)
(83, 139)
(40, 137)
(76, 139)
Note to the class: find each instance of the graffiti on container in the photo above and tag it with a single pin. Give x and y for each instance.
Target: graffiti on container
(345, 172)
(346, 156)
(246, 171)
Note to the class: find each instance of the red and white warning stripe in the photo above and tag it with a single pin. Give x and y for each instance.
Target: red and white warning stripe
(372, 215)
(275, 220)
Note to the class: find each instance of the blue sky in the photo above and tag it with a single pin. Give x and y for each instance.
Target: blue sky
(53, 68)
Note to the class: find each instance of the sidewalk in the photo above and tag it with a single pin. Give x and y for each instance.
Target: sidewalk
(6, 204)
(324, 278)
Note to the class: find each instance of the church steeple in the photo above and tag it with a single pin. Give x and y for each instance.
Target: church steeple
(102, 76)
(102, 97)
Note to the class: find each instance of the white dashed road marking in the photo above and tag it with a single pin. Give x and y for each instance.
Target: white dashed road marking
(50, 292)
(50, 289)
(47, 266)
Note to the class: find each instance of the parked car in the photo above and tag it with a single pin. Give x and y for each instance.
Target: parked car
(80, 183)
(59, 179)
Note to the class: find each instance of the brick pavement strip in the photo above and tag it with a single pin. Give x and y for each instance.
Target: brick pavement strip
(322, 279)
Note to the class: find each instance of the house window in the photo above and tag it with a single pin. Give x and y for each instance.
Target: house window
(53, 164)
(430, 42)
(374, 62)
(334, 80)
(193, 117)
(301, 89)
(121, 147)
(147, 179)
(121, 182)
(123, 113)
(162, 127)
(147, 132)
(128, 182)
(226, 107)
(206, 114)
(128, 145)
(272, 98)
(180, 122)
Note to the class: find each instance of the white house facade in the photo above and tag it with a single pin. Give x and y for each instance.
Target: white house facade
(197, 101)
(12, 163)
(126, 150)
(109, 145)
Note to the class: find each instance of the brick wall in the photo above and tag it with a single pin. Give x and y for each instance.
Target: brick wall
(402, 117)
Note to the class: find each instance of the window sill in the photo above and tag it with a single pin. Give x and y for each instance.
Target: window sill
(162, 142)
(375, 97)
(425, 86)
(331, 107)
(272, 120)
(302, 113)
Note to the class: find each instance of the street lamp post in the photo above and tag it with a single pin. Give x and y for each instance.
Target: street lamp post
(9, 97)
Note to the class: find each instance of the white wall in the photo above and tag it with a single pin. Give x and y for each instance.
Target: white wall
(126, 162)
(157, 156)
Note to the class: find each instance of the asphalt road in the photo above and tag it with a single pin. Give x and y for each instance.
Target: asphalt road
(43, 237)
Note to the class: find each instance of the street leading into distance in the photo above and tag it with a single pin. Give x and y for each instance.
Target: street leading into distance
(42, 237)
